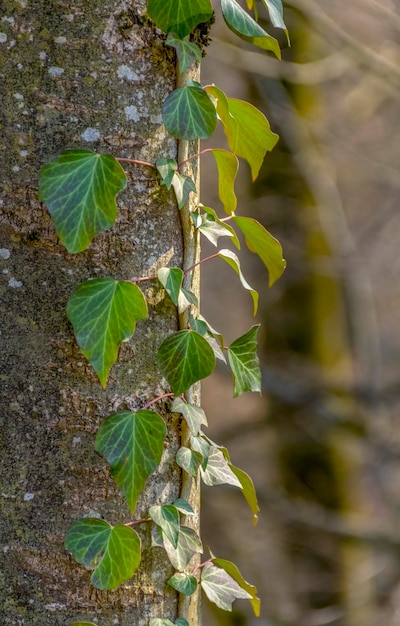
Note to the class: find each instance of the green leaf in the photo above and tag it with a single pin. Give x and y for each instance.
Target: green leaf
(171, 279)
(228, 166)
(115, 551)
(181, 621)
(183, 506)
(212, 227)
(248, 489)
(79, 188)
(167, 518)
(188, 460)
(243, 25)
(243, 359)
(212, 330)
(188, 113)
(233, 571)
(200, 445)
(184, 583)
(232, 260)
(189, 544)
(179, 16)
(247, 129)
(220, 588)
(217, 471)
(186, 52)
(133, 444)
(194, 415)
(261, 242)
(185, 358)
(166, 168)
(182, 185)
(275, 10)
(103, 313)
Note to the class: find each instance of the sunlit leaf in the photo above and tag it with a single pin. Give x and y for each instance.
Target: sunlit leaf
(133, 444)
(232, 260)
(248, 490)
(228, 166)
(166, 168)
(179, 16)
(220, 588)
(184, 583)
(188, 460)
(243, 359)
(115, 551)
(185, 358)
(247, 129)
(217, 471)
(275, 10)
(212, 227)
(188, 113)
(183, 185)
(79, 189)
(194, 415)
(187, 52)
(167, 518)
(262, 243)
(243, 25)
(103, 313)
(189, 544)
(200, 445)
(233, 571)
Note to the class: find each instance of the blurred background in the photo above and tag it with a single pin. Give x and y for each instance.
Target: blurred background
(323, 442)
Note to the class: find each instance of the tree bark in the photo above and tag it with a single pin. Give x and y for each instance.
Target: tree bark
(89, 74)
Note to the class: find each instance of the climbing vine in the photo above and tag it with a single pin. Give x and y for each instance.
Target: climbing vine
(79, 188)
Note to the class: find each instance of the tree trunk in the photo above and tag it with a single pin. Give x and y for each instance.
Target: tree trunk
(92, 75)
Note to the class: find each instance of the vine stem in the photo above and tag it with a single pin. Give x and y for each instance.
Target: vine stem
(154, 400)
(138, 521)
(200, 565)
(135, 162)
(194, 156)
(207, 258)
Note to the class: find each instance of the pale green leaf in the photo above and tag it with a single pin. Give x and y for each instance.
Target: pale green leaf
(115, 551)
(187, 52)
(212, 227)
(183, 506)
(166, 168)
(228, 166)
(185, 358)
(189, 544)
(188, 113)
(103, 313)
(171, 279)
(217, 471)
(188, 460)
(194, 415)
(275, 10)
(248, 490)
(167, 518)
(233, 571)
(243, 25)
(262, 243)
(231, 258)
(200, 445)
(179, 16)
(184, 583)
(133, 444)
(183, 185)
(79, 189)
(243, 359)
(220, 588)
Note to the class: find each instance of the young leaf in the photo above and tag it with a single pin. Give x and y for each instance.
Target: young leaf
(217, 471)
(182, 185)
(167, 518)
(200, 445)
(275, 10)
(188, 113)
(221, 588)
(186, 52)
(247, 129)
(188, 460)
(185, 358)
(189, 544)
(248, 489)
(233, 571)
(79, 188)
(103, 313)
(260, 241)
(171, 279)
(232, 260)
(184, 583)
(114, 550)
(183, 506)
(194, 415)
(243, 25)
(133, 444)
(227, 165)
(212, 227)
(166, 168)
(179, 16)
(243, 359)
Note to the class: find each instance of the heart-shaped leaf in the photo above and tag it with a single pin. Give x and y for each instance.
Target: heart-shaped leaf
(115, 551)
(228, 166)
(187, 52)
(220, 588)
(183, 185)
(185, 358)
(103, 313)
(188, 113)
(243, 25)
(231, 258)
(188, 460)
(243, 359)
(260, 241)
(183, 506)
(212, 227)
(79, 188)
(233, 571)
(217, 471)
(189, 544)
(166, 168)
(194, 415)
(167, 518)
(179, 16)
(184, 583)
(133, 444)
(171, 279)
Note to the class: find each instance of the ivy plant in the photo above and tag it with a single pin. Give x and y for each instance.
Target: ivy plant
(80, 188)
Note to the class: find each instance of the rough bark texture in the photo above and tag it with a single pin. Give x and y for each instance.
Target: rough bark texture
(89, 74)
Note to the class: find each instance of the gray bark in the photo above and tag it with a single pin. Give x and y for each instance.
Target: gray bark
(89, 74)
